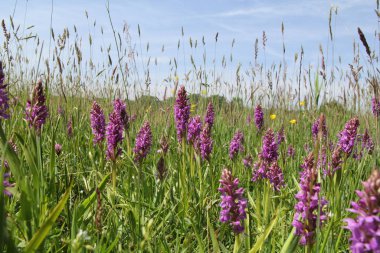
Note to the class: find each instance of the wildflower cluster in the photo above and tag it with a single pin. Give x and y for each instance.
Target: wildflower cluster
(233, 203)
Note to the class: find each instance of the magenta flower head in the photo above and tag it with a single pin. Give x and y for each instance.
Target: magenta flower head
(322, 159)
(194, 129)
(348, 135)
(98, 123)
(4, 99)
(267, 166)
(336, 161)
(281, 136)
(236, 144)
(275, 176)
(205, 143)
(120, 107)
(309, 203)
(376, 107)
(181, 113)
(367, 142)
(143, 142)
(133, 118)
(307, 148)
(210, 115)
(248, 119)
(365, 227)
(161, 169)
(114, 134)
(322, 127)
(291, 151)
(314, 129)
(164, 146)
(58, 149)
(269, 148)
(319, 127)
(36, 111)
(247, 161)
(233, 204)
(60, 110)
(7, 184)
(259, 117)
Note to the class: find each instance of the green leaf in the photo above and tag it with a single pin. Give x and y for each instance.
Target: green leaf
(87, 202)
(52, 149)
(30, 159)
(214, 240)
(260, 241)
(43, 231)
(2, 214)
(326, 237)
(317, 89)
(26, 212)
(197, 235)
(82, 208)
(291, 243)
(113, 244)
(248, 232)
(251, 201)
(237, 245)
(5, 238)
(11, 156)
(296, 183)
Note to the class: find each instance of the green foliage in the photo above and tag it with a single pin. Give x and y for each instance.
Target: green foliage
(179, 212)
(66, 202)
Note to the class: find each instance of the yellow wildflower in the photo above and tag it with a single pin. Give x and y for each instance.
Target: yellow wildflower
(204, 92)
(293, 121)
(272, 116)
(302, 103)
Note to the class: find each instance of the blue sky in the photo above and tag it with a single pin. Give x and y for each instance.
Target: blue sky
(306, 24)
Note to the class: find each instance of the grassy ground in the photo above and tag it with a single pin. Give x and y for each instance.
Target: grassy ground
(67, 202)
(180, 212)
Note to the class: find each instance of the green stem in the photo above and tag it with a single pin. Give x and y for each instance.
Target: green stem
(266, 202)
(139, 200)
(237, 243)
(114, 167)
(183, 177)
(129, 152)
(200, 180)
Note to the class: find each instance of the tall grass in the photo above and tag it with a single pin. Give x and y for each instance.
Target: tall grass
(170, 201)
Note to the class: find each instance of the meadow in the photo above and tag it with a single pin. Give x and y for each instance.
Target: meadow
(92, 160)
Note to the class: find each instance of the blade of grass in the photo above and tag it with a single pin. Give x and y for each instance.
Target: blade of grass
(214, 240)
(260, 241)
(43, 231)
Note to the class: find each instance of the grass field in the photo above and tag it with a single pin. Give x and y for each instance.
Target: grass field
(92, 160)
